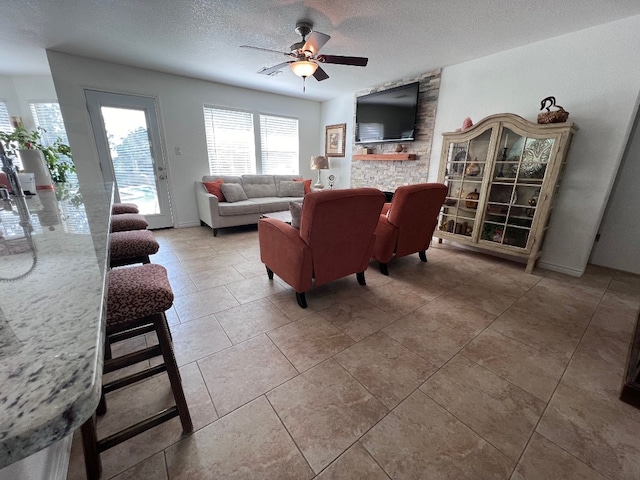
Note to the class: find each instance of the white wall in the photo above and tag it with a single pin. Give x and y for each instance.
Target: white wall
(336, 111)
(619, 244)
(180, 101)
(595, 75)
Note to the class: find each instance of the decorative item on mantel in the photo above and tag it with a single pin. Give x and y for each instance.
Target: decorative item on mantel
(466, 123)
(558, 116)
(399, 148)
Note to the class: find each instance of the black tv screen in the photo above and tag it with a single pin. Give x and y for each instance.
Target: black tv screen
(387, 116)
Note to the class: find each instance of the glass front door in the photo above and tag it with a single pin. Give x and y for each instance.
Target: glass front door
(128, 140)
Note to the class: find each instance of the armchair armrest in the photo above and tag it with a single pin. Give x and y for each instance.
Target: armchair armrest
(285, 253)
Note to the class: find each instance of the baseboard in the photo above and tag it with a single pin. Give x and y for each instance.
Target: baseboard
(560, 269)
(539, 264)
(189, 224)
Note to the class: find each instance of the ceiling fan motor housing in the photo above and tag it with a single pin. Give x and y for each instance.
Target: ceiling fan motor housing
(303, 29)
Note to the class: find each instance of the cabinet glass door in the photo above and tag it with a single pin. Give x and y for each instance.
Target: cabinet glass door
(465, 170)
(517, 177)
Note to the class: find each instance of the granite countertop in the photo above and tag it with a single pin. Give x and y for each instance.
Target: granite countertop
(52, 299)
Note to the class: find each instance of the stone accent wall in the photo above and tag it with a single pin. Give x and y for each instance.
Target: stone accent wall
(388, 175)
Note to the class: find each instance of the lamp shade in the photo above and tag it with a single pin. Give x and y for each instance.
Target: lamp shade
(319, 162)
(303, 68)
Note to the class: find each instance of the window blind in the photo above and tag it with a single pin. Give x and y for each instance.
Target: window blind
(230, 141)
(49, 117)
(279, 145)
(5, 121)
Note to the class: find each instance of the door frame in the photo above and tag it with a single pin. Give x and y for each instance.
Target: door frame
(149, 105)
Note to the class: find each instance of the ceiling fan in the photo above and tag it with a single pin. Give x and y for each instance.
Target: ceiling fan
(305, 57)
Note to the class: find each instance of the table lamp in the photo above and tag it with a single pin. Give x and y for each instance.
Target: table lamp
(319, 162)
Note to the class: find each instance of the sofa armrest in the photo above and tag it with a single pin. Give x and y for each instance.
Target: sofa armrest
(285, 253)
(207, 204)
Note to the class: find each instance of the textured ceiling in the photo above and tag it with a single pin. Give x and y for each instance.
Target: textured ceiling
(201, 38)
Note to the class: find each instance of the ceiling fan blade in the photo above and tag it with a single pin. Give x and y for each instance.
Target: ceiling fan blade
(265, 50)
(320, 74)
(271, 70)
(341, 60)
(315, 42)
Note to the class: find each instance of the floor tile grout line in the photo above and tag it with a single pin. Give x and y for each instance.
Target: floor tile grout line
(546, 407)
(461, 350)
(499, 450)
(570, 454)
(290, 434)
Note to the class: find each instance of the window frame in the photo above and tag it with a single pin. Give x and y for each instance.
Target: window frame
(258, 147)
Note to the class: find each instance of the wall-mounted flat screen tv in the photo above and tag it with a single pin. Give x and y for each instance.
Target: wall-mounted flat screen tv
(387, 116)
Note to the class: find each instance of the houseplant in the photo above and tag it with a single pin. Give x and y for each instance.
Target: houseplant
(23, 139)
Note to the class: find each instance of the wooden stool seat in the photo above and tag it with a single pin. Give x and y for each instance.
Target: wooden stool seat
(120, 208)
(130, 247)
(128, 221)
(137, 299)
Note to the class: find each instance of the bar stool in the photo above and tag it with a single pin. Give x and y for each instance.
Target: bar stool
(138, 297)
(130, 247)
(128, 221)
(120, 208)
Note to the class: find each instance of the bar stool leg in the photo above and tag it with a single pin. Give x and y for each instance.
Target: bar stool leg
(164, 340)
(92, 462)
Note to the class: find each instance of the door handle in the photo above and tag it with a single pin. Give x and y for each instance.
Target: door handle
(162, 177)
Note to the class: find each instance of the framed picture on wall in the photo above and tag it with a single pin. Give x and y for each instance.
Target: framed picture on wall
(335, 140)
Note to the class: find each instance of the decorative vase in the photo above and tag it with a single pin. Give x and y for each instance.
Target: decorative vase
(33, 161)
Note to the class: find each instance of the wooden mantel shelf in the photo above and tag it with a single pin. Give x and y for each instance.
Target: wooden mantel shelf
(386, 156)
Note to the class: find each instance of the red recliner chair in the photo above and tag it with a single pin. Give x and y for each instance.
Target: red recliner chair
(335, 239)
(406, 224)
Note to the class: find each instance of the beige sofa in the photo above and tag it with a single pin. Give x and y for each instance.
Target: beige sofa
(264, 196)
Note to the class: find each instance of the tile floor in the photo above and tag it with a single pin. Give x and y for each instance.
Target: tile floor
(464, 367)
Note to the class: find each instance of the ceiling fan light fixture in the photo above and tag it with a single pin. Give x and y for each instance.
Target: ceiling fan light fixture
(303, 68)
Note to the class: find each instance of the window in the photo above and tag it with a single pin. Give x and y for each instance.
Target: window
(231, 143)
(6, 126)
(49, 117)
(5, 121)
(279, 145)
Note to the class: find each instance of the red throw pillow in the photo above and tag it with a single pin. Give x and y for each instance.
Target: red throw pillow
(214, 189)
(307, 184)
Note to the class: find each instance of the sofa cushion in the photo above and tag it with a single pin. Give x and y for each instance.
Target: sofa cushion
(243, 207)
(272, 204)
(214, 189)
(259, 186)
(290, 189)
(224, 178)
(295, 208)
(233, 192)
